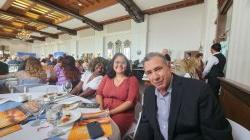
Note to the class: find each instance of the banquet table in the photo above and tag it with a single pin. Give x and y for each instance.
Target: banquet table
(30, 132)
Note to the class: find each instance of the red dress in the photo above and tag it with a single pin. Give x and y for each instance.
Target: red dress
(114, 96)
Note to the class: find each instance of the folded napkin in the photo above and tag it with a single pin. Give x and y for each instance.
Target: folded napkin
(3, 100)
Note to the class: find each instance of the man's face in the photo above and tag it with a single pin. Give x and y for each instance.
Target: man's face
(158, 72)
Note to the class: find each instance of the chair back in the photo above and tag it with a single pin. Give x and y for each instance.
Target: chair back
(238, 131)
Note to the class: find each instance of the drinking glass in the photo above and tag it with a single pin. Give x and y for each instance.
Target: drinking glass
(52, 91)
(53, 115)
(36, 108)
(67, 87)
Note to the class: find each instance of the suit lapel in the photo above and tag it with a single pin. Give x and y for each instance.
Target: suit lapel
(153, 109)
(174, 105)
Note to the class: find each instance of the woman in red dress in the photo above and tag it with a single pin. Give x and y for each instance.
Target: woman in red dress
(118, 92)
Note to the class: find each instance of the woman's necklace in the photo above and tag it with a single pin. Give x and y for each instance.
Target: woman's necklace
(118, 81)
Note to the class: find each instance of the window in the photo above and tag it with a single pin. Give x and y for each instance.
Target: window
(110, 50)
(126, 49)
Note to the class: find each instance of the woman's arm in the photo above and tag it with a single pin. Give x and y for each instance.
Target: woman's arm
(7, 76)
(99, 100)
(121, 108)
(77, 88)
(87, 92)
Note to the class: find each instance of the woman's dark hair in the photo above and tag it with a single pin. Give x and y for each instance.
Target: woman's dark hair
(59, 59)
(71, 72)
(98, 60)
(111, 72)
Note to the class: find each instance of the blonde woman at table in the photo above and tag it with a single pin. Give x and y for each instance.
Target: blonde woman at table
(33, 73)
(118, 92)
(91, 79)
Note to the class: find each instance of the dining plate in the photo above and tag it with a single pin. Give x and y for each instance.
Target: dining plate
(69, 117)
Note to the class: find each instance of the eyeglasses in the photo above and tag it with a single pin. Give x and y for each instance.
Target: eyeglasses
(119, 62)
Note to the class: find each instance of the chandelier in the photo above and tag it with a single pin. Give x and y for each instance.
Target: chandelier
(23, 35)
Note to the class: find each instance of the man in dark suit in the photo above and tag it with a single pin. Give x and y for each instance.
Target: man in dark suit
(177, 108)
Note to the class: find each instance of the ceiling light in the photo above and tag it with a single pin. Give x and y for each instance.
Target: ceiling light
(23, 35)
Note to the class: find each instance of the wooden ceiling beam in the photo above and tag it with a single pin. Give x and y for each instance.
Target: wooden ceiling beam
(23, 17)
(172, 6)
(134, 11)
(28, 28)
(95, 25)
(38, 38)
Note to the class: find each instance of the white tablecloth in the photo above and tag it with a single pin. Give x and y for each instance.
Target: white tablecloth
(28, 132)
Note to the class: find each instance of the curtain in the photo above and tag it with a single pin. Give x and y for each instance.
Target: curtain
(238, 63)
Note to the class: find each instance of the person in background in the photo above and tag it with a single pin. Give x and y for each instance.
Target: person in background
(79, 65)
(214, 68)
(200, 65)
(70, 71)
(166, 54)
(187, 68)
(187, 55)
(51, 60)
(33, 73)
(85, 64)
(90, 79)
(58, 72)
(177, 108)
(13, 60)
(4, 68)
(118, 92)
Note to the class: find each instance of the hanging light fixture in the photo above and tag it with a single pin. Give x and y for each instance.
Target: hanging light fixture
(23, 35)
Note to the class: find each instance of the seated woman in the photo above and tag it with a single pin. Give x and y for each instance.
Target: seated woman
(69, 71)
(33, 73)
(79, 66)
(90, 79)
(118, 92)
(187, 68)
(58, 74)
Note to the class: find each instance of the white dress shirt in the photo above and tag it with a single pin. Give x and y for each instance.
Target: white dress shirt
(213, 60)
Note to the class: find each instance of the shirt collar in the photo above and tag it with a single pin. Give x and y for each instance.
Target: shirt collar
(168, 91)
(216, 53)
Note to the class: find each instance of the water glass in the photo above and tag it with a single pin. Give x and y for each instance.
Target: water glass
(67, 87)
(53, 116)
(36, 109)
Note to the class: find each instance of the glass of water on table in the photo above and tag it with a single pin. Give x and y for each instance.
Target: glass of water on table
(53, 115)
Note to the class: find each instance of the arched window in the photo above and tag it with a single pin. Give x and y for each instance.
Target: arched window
(118, 46)
(110, 50)
(127, 49)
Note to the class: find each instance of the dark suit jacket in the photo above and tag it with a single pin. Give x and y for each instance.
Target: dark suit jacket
(195, 114)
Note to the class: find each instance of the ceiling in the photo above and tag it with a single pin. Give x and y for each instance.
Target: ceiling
(50, 18)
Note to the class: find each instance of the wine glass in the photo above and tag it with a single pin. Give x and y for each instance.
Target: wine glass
(67, 87)
(36, 108)
(53, 115)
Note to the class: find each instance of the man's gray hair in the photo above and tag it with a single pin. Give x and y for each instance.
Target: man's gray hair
(150, 55)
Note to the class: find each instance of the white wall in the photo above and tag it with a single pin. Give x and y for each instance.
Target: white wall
(177, 30)
(16, 46)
